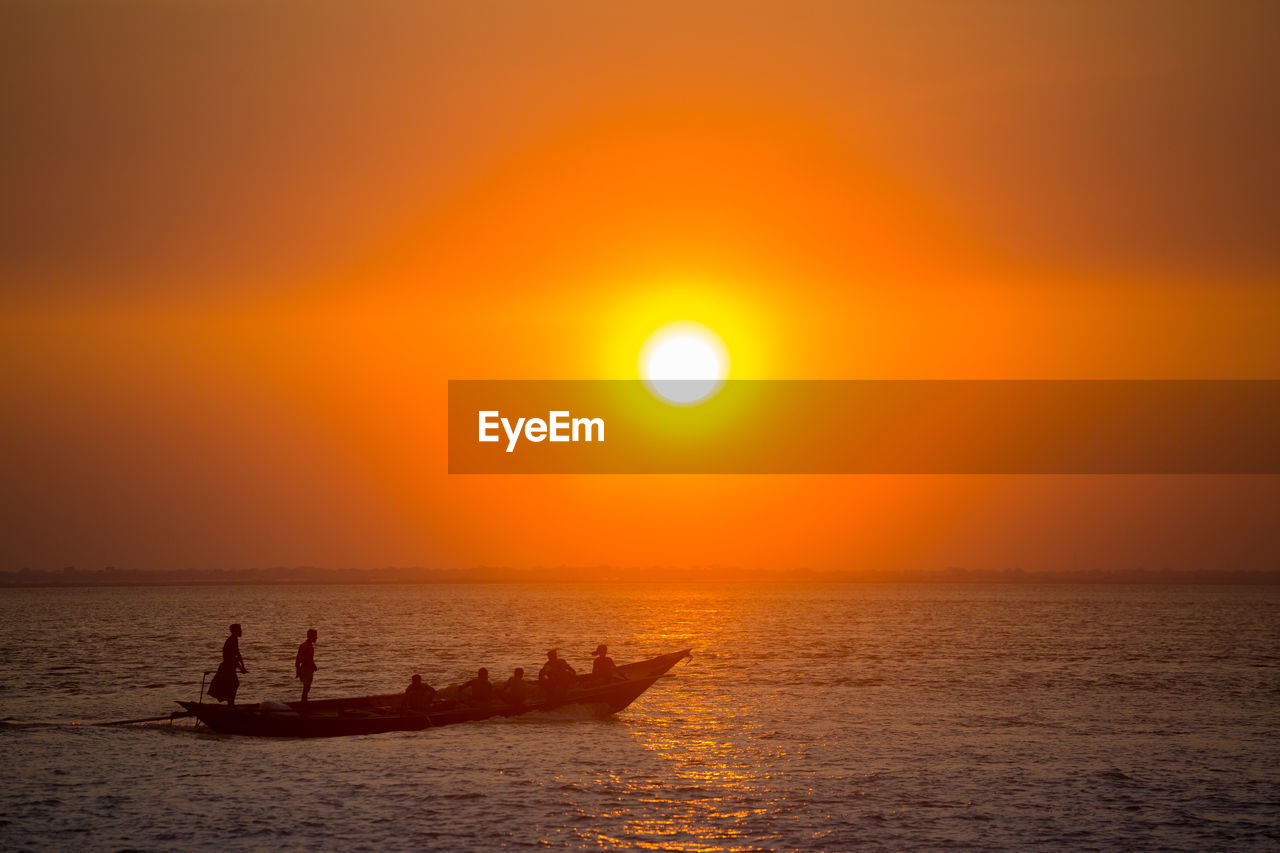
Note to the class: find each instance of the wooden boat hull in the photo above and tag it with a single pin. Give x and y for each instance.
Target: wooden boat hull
(366, 715)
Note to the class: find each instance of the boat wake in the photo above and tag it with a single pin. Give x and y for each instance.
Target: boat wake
(564, 714)
(29, 724)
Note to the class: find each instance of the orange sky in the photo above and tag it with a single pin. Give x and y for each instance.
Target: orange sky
(244, 245)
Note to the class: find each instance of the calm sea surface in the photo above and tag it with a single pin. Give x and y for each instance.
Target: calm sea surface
(810, 718)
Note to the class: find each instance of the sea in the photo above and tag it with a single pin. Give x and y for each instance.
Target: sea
(1005, 717)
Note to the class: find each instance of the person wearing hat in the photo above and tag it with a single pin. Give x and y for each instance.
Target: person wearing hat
(225, 682)
(602, 668)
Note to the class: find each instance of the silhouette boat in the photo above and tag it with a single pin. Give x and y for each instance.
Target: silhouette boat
(366, 715)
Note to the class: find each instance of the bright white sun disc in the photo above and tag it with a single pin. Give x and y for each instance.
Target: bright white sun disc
(684, 363)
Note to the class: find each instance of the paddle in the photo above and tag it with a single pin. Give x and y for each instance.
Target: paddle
(177, 715)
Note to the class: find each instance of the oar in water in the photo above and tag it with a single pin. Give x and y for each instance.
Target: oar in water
(176, 715)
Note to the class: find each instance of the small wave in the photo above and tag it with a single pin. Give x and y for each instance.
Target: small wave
(1115, 774)
(48, 801)
(849, 681)
(30, 724)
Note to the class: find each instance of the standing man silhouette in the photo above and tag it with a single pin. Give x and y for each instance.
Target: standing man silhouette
(225, 682)
(305, 663)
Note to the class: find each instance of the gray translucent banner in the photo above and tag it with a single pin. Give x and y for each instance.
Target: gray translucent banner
(864, 427)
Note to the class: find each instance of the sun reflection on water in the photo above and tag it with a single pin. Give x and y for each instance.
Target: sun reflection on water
(711, 787)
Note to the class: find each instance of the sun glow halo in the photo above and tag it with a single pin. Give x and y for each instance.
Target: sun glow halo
(684, 363)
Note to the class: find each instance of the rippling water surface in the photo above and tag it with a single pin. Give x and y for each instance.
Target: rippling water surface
(810, 718)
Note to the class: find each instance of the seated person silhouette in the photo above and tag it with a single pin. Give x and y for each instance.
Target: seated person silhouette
(478, 691)
(515, 689)
(556, 676)
(419, 695)
(602, 669)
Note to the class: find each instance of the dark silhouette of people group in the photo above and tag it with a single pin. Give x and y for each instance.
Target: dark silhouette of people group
(556, 678)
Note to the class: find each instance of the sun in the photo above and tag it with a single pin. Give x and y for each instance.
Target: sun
(684, 363)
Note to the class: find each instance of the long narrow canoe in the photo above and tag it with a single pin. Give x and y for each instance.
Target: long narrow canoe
(364, 715)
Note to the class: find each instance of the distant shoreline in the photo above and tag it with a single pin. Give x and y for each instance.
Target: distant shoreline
(312, 576)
